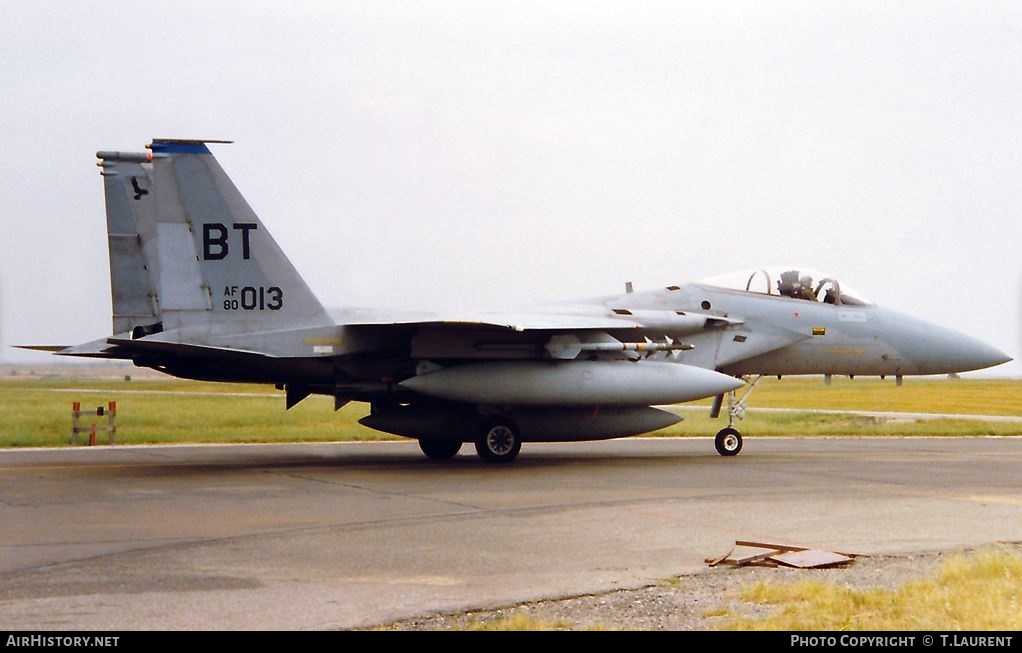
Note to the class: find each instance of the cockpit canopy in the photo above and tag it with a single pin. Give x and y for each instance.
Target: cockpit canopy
(791, 281)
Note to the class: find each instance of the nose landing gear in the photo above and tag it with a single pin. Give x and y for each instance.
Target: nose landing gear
(729, 441)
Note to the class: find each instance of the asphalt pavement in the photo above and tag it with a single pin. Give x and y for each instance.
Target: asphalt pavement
(348, 535)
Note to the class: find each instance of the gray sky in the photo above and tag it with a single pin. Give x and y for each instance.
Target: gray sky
(448, 155)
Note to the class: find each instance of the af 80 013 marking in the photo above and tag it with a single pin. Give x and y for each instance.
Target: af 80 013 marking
(251, 298)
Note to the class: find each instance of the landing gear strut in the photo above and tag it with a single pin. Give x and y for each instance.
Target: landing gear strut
(729, 441)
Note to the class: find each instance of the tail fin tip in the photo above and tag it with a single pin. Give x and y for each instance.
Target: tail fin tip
(182, 145)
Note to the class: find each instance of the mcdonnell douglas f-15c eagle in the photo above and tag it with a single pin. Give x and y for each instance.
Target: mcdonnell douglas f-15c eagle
(202, 291)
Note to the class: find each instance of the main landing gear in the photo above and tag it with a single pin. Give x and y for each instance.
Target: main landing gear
(440, 449)
(729, 441)
(498, 441)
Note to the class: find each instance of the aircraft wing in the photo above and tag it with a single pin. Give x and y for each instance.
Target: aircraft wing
(564, 319)
(272, 345)
(511, 321)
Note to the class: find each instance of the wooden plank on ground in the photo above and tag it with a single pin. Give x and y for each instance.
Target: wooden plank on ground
(771, 545)
(751, 555)
(713, 562)
(748, 552)
(810, 558)
(787, 547)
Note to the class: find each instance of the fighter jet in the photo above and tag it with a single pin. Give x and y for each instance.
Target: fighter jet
(201, 290)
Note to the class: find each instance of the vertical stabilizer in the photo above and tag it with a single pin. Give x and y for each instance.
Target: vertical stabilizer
(218, 266)
(130, 222)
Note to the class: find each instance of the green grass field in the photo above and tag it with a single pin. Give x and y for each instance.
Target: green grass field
(37, 411)
(975, 592)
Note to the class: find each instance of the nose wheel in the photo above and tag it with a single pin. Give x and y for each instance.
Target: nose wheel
(728, 442)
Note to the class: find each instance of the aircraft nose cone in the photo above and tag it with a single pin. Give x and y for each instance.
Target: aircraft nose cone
(960, 353)
(934, 349)
(980, 355)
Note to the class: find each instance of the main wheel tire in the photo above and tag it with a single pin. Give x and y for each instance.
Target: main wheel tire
(440, 449)
(728, 442)
(498, 442)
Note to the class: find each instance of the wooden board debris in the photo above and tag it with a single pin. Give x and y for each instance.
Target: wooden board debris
(810, 558)
(765, 554)
(713, 562)
(768, 545)
(787, 547)
(752, 556)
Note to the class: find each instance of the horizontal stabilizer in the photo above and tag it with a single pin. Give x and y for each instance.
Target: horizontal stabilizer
(50, 348)
(98, 348)
(183, 349)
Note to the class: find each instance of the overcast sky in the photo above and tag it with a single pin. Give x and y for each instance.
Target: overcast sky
(446, 155)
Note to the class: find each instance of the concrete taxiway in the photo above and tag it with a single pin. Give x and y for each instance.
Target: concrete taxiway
(321, 536)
